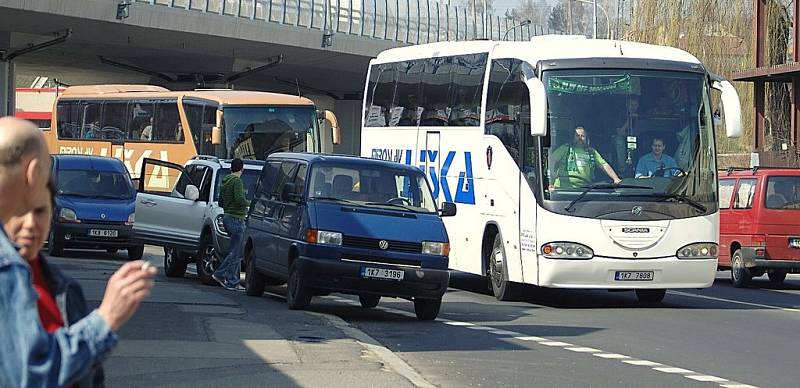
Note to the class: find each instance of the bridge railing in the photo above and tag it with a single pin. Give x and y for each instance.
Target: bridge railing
(407, 21)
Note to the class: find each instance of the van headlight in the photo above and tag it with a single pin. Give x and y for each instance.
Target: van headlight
(68, 215)
(220, 225)
(698, 251)
(314, 236)
(567, 250)
(435, 248)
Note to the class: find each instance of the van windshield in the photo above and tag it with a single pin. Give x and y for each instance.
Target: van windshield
(95, 184)
(783, 192)
(372, 186)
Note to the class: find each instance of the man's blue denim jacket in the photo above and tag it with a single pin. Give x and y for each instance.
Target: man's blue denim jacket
(29, 356)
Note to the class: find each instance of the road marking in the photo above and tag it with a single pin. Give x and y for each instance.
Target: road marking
(764, 306)
(586, 350)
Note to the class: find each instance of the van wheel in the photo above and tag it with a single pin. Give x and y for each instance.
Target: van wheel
(502, 288)
(298, 296)
(174, 263)
(650, 297)
(369, 301)
(54, 249)
(135, 252)
(740, 275)
(427, 309)
(206, 261)
(776, 276)
(254, 281)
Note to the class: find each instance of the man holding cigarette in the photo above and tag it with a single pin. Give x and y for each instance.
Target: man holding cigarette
(29, 355)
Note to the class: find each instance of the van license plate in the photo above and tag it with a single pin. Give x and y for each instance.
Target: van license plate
(381, 273)
(639, 276)
(794, 242)
(102, 233)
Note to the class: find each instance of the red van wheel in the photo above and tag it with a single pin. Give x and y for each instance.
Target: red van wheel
(740, 275)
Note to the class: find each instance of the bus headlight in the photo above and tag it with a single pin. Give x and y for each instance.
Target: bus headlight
(220, 225)
(435, 248)
(567, 250)
(68, 215)
(698, 251)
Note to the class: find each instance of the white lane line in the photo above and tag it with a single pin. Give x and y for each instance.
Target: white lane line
(759, 305)
(585, 350)
(642, 363)
(594, 352)
(706, 378)
(669, 369)
(612, 356)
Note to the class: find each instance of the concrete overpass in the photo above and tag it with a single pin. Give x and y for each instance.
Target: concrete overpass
(191, 40)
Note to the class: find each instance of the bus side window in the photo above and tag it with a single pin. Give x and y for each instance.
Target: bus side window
(466, 89)
(508, 102)
(209, 121)
(166, 127)
(194, 116)
(114, 123)
(141, 119)
(380, 94)
(69, 119)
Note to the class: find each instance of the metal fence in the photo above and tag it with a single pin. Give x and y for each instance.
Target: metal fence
(407, 21)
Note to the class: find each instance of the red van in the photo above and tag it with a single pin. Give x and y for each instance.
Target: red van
(759, 223)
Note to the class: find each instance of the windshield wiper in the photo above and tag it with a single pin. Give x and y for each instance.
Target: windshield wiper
(335, 199)
(602, 186)
(404, 207)
(682, 198)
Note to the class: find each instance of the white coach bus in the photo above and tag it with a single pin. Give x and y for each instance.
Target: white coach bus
(575, 163)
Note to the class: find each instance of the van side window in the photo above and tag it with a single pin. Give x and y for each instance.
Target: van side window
(285, 175)
(725, 192)
(745, 194)
(300, 179)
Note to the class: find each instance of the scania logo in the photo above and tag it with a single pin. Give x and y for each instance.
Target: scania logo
(637, 210)
(635, 230)
(383, 244)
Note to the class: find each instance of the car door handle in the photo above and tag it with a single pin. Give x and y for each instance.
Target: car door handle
(148, 202)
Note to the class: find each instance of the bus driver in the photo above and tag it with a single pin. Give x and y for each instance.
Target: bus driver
(574, 163)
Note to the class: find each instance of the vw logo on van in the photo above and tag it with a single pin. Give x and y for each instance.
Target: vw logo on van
(103, 216)
(637, 210)
(383, 244)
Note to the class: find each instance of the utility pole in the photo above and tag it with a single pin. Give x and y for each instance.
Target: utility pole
(594, 12)
(569, 16)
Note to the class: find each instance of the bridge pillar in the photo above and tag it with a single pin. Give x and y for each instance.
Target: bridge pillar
(7, 79)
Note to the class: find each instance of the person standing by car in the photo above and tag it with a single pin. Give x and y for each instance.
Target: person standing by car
(234, 205)
(29, 355)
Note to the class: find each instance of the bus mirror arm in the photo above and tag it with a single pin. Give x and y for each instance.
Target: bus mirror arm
(538, 98)
(216, 131)
(335, 132)
(731, 108)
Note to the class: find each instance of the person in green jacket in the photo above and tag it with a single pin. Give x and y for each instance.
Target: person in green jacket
(234, 205)
(573, 164)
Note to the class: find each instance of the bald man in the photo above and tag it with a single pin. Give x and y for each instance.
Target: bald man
(29, 356)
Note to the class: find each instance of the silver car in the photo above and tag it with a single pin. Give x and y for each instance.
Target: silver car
(182, 215)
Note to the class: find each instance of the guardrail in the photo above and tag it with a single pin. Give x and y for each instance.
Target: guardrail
(407, 21)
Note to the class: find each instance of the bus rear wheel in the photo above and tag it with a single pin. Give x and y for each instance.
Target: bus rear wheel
(502, 288)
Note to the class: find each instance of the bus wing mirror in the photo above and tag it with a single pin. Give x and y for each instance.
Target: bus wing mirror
(335, 132)
(216, 131)
(538, 97)
(731, 108)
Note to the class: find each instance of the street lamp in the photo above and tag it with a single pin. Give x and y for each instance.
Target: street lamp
(608, 26)
(524, 23)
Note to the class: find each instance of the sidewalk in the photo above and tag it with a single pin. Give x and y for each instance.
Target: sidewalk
(189, 335)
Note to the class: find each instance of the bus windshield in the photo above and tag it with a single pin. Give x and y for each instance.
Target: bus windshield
(253, 132)
(649, 131)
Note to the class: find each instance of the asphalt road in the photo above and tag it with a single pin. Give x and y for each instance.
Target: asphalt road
(721, 336)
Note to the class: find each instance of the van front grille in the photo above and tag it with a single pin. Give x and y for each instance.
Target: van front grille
(373, 243)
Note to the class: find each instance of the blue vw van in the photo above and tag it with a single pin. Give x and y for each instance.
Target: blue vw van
(324, 223)
(95, 202)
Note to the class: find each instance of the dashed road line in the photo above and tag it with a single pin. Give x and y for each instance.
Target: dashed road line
(759, 305)
(659, 367)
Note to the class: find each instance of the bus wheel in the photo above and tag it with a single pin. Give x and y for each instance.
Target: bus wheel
(740, 275)
(650, 296)
(776, 276)
(503, 289)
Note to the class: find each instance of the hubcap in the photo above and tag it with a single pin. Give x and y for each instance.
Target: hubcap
(209, 260)
(497, 267)
(168, 257)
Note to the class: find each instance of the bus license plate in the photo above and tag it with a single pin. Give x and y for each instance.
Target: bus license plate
(381, 273)
(639, 276)
(102, 233)
(794, 242)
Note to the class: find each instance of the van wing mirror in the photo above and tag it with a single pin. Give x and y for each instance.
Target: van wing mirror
(448, 209)
(731, 108)
(216, 131)
(335, 132)
(538, 98)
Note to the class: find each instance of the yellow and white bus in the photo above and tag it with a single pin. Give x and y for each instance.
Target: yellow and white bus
(134, 122)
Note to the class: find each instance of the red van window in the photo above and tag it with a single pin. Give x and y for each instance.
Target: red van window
(726, 192)
(744, 194)
(783, 192)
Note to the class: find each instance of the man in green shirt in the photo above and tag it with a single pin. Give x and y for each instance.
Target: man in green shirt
(234, 204)
(572, 165)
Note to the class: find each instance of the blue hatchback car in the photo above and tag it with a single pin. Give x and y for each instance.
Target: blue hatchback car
(95, 205)
(368, 227)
